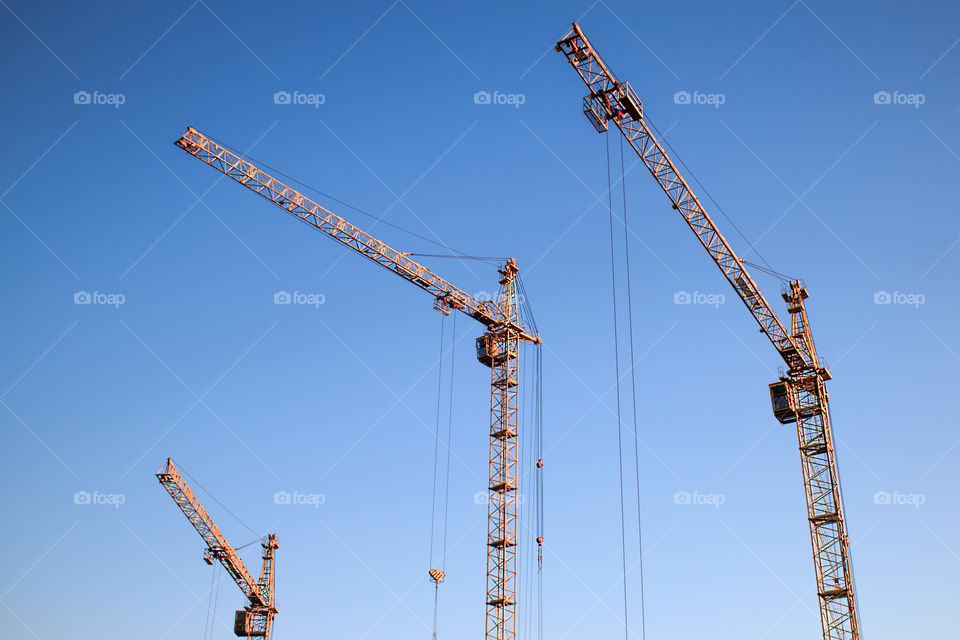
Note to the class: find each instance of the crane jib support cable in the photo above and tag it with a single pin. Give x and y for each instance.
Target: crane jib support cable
(800, 396)
(498, 348)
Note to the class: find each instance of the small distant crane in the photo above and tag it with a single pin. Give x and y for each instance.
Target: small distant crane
(255, 620)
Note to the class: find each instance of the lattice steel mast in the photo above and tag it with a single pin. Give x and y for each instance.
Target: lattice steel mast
(800, 396)
(497, 348)
(256, 619)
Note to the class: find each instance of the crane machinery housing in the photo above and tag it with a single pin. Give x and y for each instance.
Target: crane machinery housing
(800, 395)
(255, 620)
(498, 348)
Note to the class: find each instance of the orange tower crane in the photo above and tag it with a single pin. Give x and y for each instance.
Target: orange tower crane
(800, 396)
(498, 348)
(255, 620)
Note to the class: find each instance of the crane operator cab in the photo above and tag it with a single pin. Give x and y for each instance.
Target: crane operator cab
(782, 401)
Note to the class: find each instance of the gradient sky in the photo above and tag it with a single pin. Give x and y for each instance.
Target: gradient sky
(832, 181)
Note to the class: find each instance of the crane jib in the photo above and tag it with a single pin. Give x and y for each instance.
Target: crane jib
(447, 296)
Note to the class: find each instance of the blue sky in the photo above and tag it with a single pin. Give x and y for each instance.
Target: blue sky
(835, 149)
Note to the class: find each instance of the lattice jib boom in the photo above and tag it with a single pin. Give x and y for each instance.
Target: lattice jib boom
(447, 295)
(613, 101)
(217, 544)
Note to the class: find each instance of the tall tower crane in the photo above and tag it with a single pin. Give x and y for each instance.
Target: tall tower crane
(255, 620)
(799, 396)
(498, 348)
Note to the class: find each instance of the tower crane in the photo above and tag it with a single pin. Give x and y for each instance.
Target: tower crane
(498, 348)
(255, 620)
(800, 395)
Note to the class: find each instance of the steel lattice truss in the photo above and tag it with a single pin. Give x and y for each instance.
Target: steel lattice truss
(803, 387)
(612, 100)
(502, 495)
(831, 546)
(257, 618)
(235, 167)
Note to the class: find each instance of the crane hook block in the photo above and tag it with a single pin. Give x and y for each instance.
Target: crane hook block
(437, 576)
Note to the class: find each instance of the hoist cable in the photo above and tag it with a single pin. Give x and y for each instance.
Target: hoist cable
(436, 444)
(539, 488)
(633, 393)
(489, 259)
(436, 607)
(704, 190)
(214, 498)
(252, 542)
(378, 219)
(616, 359)
(526, 307)
(446, 498)
(216, 598)
(775, 274)
(206, 620)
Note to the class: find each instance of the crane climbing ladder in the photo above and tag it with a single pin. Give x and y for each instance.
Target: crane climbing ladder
(498, 348)
(255, 620)
(800, 396)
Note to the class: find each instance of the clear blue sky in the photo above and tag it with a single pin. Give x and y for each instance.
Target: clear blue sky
(854, 193)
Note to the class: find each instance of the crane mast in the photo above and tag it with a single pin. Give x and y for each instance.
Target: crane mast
(256, 619)
(498, 348)
(800, 396)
